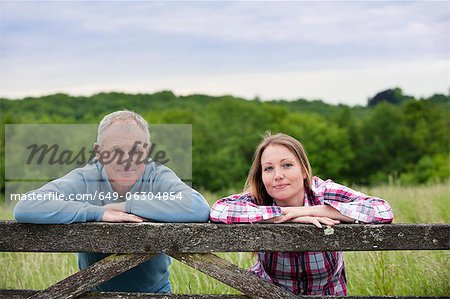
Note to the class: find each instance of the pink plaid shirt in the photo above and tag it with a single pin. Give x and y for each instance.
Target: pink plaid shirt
(306, 273)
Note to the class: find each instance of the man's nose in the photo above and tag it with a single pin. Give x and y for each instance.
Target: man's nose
(124, 157)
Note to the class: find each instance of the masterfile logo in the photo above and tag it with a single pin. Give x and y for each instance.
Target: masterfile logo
(38, 153)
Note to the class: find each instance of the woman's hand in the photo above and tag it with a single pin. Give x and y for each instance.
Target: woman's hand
(319, 211)
(290, 213)
(317, 221)
(305, 215)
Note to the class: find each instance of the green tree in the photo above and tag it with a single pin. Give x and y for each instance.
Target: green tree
(328, 146)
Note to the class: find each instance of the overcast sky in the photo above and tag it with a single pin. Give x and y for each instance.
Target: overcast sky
(340, 52)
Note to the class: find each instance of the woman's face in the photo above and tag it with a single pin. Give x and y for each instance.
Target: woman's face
(282, 175)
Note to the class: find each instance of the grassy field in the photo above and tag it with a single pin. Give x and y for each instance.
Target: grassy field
(369, 273)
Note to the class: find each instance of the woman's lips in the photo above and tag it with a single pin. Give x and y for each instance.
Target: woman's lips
(282, 186)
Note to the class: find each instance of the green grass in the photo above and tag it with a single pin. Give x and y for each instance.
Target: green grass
(370, 273)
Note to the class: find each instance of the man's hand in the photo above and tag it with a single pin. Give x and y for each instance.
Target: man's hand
(119, 206)
(111, 215)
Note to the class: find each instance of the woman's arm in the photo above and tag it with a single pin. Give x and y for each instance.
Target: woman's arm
(341, 203)
(356, 205)
(321, 211)
(240, 208)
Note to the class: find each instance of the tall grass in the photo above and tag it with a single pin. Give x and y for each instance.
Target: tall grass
(369, 273)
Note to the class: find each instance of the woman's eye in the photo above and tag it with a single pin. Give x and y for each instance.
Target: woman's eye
(268, 168)
(288, 165)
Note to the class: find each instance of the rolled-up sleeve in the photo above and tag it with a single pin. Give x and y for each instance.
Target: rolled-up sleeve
(351, 203)
(240, 208)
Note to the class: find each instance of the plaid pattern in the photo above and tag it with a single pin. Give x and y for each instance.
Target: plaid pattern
(306, 273)
(240, 208)
(351, 203)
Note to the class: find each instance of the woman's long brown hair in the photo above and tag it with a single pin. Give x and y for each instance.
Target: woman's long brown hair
(254, 183)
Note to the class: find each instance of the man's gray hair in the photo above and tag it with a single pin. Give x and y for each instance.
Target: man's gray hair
(123, 117)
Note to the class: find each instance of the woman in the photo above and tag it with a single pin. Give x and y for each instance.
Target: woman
(279, 188)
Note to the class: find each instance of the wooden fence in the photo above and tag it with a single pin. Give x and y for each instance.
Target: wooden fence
(193, 244)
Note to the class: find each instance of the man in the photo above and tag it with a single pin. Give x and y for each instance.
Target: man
(116, 182)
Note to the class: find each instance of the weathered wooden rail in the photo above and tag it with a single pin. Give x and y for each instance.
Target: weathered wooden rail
(193, 244)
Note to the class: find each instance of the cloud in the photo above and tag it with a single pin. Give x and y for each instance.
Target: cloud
(319, 22)
(85, 44)
(350, 86)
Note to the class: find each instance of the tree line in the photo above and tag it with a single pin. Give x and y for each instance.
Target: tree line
(394, 138)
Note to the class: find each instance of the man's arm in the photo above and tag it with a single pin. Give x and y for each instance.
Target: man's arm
(170, 200)
(39, 207)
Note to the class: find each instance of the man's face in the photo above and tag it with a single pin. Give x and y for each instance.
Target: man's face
(123, 151)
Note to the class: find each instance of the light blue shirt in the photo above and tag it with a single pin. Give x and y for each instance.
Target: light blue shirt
(162, 197)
